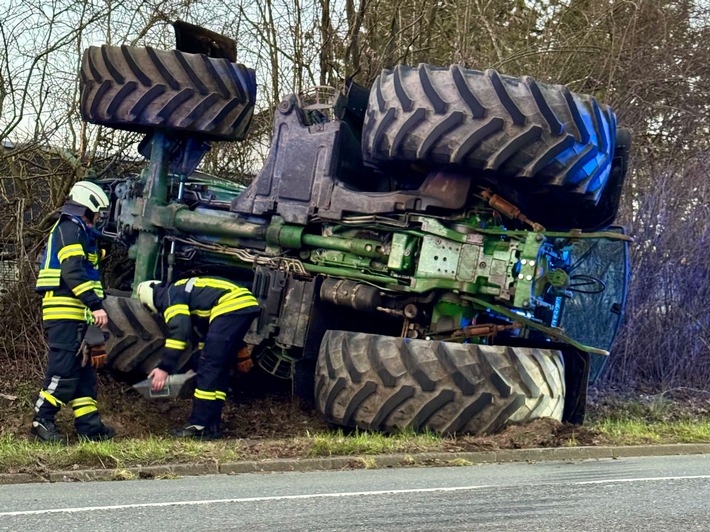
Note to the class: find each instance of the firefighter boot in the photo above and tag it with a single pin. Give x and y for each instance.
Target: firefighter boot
(198, 432)
(104, 432)
(46, 431)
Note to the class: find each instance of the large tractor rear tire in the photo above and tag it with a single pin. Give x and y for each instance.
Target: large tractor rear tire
(387, 384)
(136, 338)
(140, 89)
(542, 137)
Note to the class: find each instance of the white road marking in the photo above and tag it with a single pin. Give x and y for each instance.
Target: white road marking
(647, 479)
(317, 496)
(244, 499)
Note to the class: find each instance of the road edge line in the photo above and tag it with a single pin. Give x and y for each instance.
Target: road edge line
(381, 461)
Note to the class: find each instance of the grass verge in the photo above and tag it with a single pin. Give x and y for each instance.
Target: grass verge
(635, 432)
(275, 428)
(23, 455)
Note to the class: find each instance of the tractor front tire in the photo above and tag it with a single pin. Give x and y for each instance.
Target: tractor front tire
(387, 384)
(141, 89)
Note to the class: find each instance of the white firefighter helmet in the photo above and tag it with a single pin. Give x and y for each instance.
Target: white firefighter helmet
(89, 195)
(145, 294)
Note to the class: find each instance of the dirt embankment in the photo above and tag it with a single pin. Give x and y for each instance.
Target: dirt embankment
(270, 425)
(254, 420)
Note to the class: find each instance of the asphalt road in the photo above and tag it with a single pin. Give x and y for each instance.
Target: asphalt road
(658, 494)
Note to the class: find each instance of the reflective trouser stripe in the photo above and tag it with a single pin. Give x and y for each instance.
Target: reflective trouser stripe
(210, 396)
(49, 391)
(50, 398)
(83, 406)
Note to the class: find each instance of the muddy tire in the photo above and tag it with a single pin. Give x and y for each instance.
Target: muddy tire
(540, 136)
(140, 89)
(137, 337)
(386, 384)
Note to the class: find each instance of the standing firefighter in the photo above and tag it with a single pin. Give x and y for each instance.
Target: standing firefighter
(218, 311)
(72, 298)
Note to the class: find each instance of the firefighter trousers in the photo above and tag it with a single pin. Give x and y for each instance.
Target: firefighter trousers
(224, 338)
(66, 382)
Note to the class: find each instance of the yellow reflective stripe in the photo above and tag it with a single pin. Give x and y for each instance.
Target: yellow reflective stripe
(201, 345)
(171, 343)
(78, 412)
(201, 313)
(61, 313)
(50, 273)
(83, 287)
(48, 258)
(50, 398)
(176, 310)
(211, 396)
(215, 283)
(83, 406)
(208, 396)
(49, 278)
(231, 306)
(233, 295)
(47, 283)
(181, 281)
(73, 250)
(52, 301)
(82, 401)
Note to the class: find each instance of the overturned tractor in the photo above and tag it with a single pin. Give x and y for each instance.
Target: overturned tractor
(434, 252)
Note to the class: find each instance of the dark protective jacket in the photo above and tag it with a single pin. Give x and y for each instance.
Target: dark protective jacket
(190, 305)
(69, 271)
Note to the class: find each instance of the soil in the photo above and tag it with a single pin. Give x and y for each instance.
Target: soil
(271, 426)
(136, 417)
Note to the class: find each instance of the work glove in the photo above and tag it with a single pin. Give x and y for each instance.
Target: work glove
(244, 361)
(93, 348)
(98, 356)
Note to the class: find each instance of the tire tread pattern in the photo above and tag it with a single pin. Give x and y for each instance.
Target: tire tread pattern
(136, 337)
(542, 136)
(139, 89)
(443, 387)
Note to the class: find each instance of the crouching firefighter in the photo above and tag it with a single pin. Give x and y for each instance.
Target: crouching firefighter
(217, 310)
(72, 299)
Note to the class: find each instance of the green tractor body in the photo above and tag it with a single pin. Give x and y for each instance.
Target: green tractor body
(436, 252)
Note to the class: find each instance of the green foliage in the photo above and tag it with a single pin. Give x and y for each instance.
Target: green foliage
(634, 432)
(19, 452)
(359, 442)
